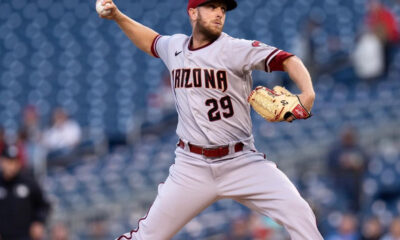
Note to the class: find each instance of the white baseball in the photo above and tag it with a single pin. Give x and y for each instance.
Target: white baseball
(100, 8)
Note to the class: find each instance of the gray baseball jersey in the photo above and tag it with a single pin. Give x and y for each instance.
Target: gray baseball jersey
(211, 85)
(211, 88)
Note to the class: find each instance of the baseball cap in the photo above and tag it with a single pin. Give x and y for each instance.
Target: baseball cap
(231, 4)
(10, 152)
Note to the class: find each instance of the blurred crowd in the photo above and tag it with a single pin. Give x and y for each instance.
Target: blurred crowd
(40, 145)
(346, 167)
(25, 156)
(370, 55)
(255, 227)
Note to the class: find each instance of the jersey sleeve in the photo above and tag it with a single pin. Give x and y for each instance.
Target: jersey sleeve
(254, 55)
(159, 47)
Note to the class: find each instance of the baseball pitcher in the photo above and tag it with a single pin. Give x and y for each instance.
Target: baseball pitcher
(215, 156)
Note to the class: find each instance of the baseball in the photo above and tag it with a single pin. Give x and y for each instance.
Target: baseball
(100, 8)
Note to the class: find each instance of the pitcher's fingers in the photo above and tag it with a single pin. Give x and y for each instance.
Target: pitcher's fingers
(104, 2)
(290, 119)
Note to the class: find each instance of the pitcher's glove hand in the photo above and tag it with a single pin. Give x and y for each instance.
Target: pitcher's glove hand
(277, 105)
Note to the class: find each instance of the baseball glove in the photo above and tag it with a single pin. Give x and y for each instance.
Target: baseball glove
(277, 105)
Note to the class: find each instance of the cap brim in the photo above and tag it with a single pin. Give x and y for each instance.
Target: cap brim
(230, 4)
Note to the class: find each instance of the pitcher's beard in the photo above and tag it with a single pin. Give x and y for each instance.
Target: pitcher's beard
(208, 33)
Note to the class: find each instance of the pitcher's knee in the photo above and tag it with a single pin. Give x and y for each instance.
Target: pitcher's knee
(299, 207)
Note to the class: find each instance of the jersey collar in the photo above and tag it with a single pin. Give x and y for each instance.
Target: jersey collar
(208, 44)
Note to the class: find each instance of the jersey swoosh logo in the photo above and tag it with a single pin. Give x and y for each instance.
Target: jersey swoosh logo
(177, 53)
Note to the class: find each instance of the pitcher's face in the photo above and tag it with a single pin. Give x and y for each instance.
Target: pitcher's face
(211, 19)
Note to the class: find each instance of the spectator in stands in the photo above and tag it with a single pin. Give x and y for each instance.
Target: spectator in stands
(63, 134)
(322, 52)
(23, 208)
(32, 132)
(259, 231)
(61, 139)
(240, 229)
(372, 229)
(394, 233)
(2, 138)
(59, 232)
(21, 144)
(347, 163)
(98, 228)
(368, 57)
(31, 123)
(31, 129)
(347, 229)
(383, 24)
(306, 45)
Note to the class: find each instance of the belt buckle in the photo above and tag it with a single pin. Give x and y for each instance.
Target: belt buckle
(219, 149)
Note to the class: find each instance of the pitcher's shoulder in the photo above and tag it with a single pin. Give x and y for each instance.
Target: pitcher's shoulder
(239, 44)
(180, 37)
(236, 41)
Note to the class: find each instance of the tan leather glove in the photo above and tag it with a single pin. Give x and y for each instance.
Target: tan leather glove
(277, 105)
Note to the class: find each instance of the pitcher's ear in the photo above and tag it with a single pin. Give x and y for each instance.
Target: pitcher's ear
(193, 13)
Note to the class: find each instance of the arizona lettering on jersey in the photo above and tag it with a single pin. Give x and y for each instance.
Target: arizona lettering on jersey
(207, 78)
(210, 88)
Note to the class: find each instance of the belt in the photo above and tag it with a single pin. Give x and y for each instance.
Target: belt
(211, 152)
